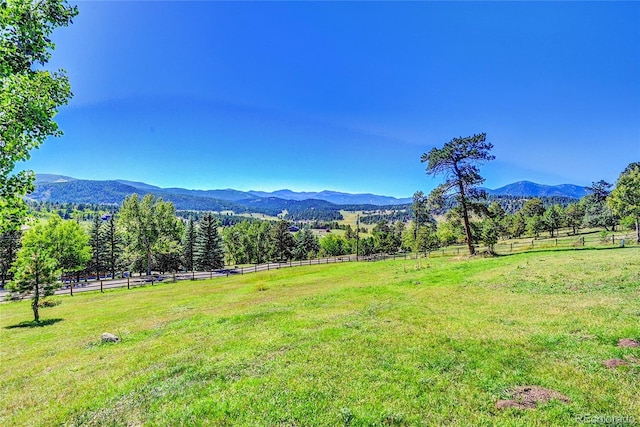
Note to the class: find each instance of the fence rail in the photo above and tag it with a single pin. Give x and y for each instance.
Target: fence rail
(502, 248)
(136, 281)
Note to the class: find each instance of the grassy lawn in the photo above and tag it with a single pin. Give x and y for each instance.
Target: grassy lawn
(358, 344)
(350, 218)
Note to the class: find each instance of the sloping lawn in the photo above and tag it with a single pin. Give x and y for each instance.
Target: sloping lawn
(359, 344)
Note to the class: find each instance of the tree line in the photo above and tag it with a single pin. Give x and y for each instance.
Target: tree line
(458, 161)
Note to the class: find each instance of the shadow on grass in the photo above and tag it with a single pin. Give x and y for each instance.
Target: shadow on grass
(34, 324)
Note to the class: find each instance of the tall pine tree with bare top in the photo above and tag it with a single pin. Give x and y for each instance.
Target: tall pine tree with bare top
(458, 161)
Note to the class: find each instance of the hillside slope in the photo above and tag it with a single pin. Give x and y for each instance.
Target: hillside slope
(358, 344)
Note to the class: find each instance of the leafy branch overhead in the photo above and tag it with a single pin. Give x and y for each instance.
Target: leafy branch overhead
(29, 95)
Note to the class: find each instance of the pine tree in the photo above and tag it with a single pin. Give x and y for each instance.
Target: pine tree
(97, 242)
(208, 253)
(307, 244)
(457, 160)
(9, 245)
(189, 245)
(282, 241)
(113, 242)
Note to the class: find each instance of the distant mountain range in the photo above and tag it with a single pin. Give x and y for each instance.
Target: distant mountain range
(337, 198)
(307, 205)
(531, 189)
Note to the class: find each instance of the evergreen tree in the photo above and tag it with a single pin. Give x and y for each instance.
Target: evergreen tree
(597, 212)
(535, 225)
(282, 241)
(189, 245)
(9, 246)
(307, 244)
(532, 208)
(386, 238)
(574, 215)
(113, 251)
(367, 246)
(552, 219)
(457, 161)
(489, 233)
(208, 253)
(97, 241)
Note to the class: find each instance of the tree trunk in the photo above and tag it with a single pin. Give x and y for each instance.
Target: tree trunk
(465, 217)
(638, 229)
(149, 262)
(34, 302)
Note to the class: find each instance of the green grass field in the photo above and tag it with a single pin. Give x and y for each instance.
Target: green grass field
(359, 344)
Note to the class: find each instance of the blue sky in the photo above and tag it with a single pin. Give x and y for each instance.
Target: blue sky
(345, 96)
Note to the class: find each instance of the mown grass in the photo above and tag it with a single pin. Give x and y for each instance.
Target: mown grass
(355, 344)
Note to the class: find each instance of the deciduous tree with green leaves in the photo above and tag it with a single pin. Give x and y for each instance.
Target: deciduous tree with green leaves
(624, 200)
(36, 269)
(146, 221)
(69, 245)
(457, 160)
(30, 96)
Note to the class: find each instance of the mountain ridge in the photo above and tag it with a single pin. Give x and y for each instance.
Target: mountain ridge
(108, 191)
(532, 189)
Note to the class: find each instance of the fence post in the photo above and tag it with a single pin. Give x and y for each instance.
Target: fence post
(101, 286)
(511, 249)
(613, 239)
(582, 240)
(556, 242)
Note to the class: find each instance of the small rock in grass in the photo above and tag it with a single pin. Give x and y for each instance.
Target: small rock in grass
(628, 343)
(107, 337)
(614, 363)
